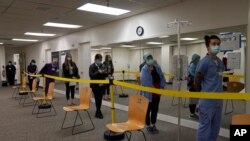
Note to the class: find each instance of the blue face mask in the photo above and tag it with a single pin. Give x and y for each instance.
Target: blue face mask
(150, 62)
(215, 50)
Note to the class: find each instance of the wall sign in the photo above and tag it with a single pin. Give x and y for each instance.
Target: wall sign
(230, 41)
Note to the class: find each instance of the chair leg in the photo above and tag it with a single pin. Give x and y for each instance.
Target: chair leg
(14, 92)
(78, 114)
(34, 107)
(52, 106)
(128, 136)
(143, 134)
(90, 120)
(64, 120)
(69, 126)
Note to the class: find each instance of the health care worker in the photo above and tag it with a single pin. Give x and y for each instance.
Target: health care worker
(209, 79)
(152, 76)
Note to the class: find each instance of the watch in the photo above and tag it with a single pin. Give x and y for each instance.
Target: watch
(139, 31)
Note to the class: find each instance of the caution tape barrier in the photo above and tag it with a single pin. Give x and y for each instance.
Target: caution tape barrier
(183, 94)
(171, 75)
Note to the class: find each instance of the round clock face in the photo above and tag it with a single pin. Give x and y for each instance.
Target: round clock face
(139, 31)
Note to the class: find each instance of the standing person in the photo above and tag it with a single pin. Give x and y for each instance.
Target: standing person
(152, 76)
(191, 73)
(11, 72)
(32, 69)
(110, 70)
(70, 70)
(3, 74)
(49, 69)
(97, 71)
(208, 78)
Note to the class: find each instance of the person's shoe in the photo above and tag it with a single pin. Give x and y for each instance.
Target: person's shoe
(194, 116)
(99, 115)
(155, 130)
(149, 129)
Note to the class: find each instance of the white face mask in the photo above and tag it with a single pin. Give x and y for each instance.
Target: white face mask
(69, 59)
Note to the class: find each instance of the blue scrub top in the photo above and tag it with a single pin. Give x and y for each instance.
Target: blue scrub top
(211, 71)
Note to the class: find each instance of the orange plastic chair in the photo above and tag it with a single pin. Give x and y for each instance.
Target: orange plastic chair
(137, 111)
(49, 98)
(233, 87)
(23, 87)
(24, 92)
(242, 119)
(85, 96)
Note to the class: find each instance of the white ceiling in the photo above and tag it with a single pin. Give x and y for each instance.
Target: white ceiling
(20, 16)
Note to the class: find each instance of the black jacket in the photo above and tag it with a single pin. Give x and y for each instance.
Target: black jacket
(10, 70)
(111, 68)
(95, 75)
(66, 71)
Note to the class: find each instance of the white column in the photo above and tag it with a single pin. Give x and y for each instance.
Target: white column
(84, 56)
(2, 60)
(121, 61)
(247, 62)
(166, 59)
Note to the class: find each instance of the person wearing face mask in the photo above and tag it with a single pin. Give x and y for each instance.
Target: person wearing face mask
(191, 73)
(208, 78)
(152, 76)
(110, 70)
(11, 72)
(70, 70)
(32, 69)
(50, 69)
(144, 61)
(97, 71)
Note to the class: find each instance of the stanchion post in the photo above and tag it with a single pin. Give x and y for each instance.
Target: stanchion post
(112, 99)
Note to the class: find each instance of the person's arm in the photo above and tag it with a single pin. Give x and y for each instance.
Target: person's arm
(44, 69)
(92, 72)
(200, 71)
(197, 81)
(162, 76)
(76, 72)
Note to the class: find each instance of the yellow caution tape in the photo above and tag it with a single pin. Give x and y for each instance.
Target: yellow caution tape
(77, 80)
(186, 94)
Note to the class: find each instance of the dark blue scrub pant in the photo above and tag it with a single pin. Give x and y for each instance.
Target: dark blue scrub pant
(209, 123)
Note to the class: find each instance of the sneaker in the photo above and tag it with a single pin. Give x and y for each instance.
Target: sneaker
(194, 116)
(155, 130)
(149, 129)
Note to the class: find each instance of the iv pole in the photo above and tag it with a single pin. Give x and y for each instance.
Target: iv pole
(178, 78)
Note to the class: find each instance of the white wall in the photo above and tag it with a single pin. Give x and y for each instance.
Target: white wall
(2, 60)
(154, 23)
(74, 54)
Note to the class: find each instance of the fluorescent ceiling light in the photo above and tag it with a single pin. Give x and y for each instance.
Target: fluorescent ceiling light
(62, 25)
(39, 34)
(96, 49)
(189, 39)
(106, 48)
(25, 40)
(1, 43)
(154, 43)
(223, 33)
(163, 36)
(102, 9)
(127, 46)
